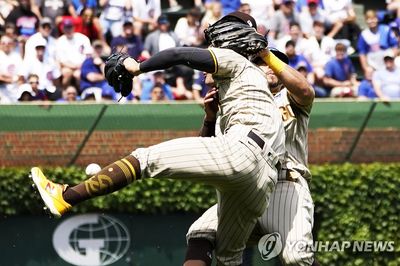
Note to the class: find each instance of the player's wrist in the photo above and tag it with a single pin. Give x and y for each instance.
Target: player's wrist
(273, 62)
(209, 121)
(132, 66)
(210, 116)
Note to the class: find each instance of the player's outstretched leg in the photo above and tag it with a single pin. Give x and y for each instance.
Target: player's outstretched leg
(50, 192)
(59, 198)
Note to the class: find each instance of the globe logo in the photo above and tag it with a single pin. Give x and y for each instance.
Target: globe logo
(91, 240)
(270, 246)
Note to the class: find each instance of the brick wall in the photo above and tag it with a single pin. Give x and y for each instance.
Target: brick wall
(375, 145)
(58, 148)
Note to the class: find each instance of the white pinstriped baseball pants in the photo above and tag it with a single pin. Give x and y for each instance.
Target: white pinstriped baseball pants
(290, 213)
(235, 165)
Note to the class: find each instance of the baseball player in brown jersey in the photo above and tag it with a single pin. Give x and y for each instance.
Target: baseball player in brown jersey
(290, 212)
(242, 163)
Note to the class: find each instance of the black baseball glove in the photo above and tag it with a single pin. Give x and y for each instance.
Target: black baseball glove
(117, 75)
(236, 36)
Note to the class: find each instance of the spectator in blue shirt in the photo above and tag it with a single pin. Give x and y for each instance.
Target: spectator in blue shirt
(70, 95)
(366, 88)
(340, 76)
(301, 64)
(228, 6)
(148, 84)
(298, 61)
(92, 75)
(79, 5)
(157, 93)
(374, 42)
(132, 42)
(295, 60)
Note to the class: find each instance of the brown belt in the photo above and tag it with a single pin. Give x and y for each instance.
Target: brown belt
(285, 175)
(261, 143)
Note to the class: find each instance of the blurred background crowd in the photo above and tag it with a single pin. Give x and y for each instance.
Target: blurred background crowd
(54, 50)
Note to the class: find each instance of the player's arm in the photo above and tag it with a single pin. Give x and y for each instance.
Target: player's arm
(301, 91)
(196, 58)
(210, 117)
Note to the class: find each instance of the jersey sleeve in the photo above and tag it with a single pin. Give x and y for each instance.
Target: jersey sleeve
(228, 63)
(302, 108)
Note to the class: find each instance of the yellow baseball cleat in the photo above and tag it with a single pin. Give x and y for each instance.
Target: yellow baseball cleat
(50, 192)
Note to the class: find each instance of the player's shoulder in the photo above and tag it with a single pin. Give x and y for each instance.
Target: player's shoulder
(306, 109)
(229, 62)
(224, 53)
(284, 97)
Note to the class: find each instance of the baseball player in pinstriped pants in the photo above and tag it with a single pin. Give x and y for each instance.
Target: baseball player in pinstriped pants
(242, 163)
(290, 212)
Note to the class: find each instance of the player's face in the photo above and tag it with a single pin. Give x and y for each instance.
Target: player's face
(272, 79)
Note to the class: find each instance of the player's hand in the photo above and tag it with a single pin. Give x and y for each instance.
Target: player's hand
(117, 75)
(264, 53)
(132, 66)
(211, 103)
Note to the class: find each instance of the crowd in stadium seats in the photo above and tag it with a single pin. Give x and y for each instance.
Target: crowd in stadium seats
(54, 50)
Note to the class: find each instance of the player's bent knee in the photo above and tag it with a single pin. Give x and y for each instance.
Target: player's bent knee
(199, 250)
